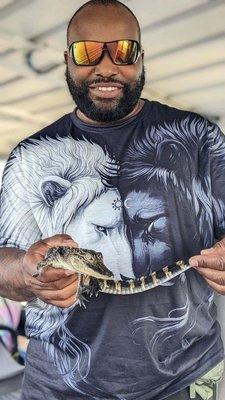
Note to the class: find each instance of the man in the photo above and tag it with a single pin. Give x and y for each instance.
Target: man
(118, 169)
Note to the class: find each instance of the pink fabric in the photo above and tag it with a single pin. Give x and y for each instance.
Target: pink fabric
(9, 318)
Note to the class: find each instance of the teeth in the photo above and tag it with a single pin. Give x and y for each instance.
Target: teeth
(106, 89)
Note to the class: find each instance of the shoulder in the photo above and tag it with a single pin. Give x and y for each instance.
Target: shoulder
(167, 113)
(59, 127)
(166, 117)
(20, 153)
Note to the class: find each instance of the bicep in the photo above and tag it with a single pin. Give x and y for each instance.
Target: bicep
(18, 227)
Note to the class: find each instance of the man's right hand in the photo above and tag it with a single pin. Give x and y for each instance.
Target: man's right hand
(55, 286)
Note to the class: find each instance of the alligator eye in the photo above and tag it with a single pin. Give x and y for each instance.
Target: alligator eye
(88, 257)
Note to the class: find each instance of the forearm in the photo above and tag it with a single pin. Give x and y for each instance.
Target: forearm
(12, 284)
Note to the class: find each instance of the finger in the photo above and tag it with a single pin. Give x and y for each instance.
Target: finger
(55, 285)
(214, 262)
(39, 248)
(31, 259)
(60, 240)
(212, 275)
(34, 284)
(213, 251)
(64, 303)
(51, 274)
(220, 244)
(57, 295)
(218, 288)
(218, 247)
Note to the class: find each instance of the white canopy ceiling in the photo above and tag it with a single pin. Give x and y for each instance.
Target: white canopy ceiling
(184, 45)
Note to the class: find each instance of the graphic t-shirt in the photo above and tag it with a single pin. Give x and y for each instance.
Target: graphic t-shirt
(145, 192)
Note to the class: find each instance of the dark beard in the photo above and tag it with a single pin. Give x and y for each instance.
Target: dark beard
(126, 104)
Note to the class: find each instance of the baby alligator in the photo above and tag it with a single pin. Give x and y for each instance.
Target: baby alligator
(95, 277)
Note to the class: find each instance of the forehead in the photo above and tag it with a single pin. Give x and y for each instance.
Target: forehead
(105, 210)
(145, 205)
(103, 23)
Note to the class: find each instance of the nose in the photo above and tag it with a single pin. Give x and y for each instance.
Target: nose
(106, 68)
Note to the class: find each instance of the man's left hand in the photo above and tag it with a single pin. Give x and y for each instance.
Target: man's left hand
(211, 265)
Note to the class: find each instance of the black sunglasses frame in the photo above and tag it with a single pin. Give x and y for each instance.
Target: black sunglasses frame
(105, 48)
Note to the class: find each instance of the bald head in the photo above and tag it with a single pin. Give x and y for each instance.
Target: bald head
(86, 10)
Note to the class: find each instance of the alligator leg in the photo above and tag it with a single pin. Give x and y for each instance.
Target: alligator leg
(81, 299)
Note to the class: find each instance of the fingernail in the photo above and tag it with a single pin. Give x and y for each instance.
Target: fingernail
(206, 251)
(194, 263)
(67, 237)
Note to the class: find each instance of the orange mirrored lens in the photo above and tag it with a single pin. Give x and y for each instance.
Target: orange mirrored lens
(87, 53)
(123, 51)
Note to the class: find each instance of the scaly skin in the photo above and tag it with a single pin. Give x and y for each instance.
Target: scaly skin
(82, 261)
(94, 276)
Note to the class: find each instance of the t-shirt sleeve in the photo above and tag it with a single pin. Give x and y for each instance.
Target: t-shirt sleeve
(18, 227)
(217, 172)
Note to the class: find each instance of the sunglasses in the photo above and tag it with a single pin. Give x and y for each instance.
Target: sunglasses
(87, 53)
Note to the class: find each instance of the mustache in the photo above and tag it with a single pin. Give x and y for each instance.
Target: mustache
(95, 81)
(101, 80)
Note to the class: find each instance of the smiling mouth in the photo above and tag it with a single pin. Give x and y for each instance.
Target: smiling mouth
(106, 91)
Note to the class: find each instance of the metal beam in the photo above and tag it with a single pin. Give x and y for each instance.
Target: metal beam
(24, 47)
(186, 46)
(189, 71)
(168, 99)
(151, 93)
(155, 25)
(197, 89)
(49, 32)
(52, 108)
(19, 114)
(30, 96)
(23, 70)
(7, 52)
(19, 67)
(182, 15)
(16, 42)
(11, 8)
(12, 80)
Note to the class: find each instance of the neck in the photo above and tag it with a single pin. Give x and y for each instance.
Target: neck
(135, 111)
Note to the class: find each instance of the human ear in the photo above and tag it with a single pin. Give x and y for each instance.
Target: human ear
(65, 57)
